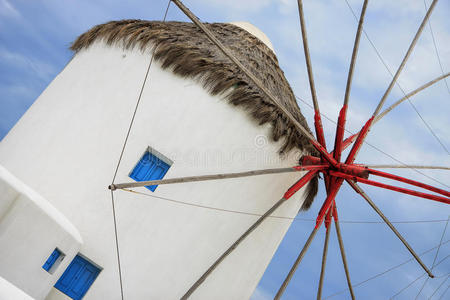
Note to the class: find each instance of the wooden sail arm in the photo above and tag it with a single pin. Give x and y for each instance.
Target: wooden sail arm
(366, 128)
(317, 117)
(340, 128)
(318, 167)
(360, 191)
(321, 149)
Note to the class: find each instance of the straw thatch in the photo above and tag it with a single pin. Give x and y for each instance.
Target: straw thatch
(186, 51)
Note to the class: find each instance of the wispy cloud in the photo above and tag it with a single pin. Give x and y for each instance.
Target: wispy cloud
(8, 10)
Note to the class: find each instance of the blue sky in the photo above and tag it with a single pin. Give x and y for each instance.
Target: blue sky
(34, 41)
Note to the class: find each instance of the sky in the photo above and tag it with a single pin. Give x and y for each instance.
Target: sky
(34, 41)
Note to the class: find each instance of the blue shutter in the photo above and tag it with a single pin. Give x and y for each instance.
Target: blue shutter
(77, 278)
(149, 167)
(51, 260)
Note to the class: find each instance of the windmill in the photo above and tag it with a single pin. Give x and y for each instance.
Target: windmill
(329, 163)
(318, 161)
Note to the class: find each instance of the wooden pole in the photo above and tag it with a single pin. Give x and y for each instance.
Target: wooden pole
(354, 152)
(296, 263)
(256, 81)
(387, 110)
(300, 183)
(307, 56)
(355, 53)
(324, 261)
(231, 248)
(407, 96)
(358, 189)
(213, 177)
(340, 128)
(341, 247)
(405, 58)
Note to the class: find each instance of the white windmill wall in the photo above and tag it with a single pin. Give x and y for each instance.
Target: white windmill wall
(67, 146)
(30, 229)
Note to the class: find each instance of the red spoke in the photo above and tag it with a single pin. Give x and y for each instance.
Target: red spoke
(335, 185)
(299, 184)
(409, 181)
(391, 187)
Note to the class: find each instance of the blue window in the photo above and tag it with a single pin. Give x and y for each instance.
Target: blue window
(56, 256)
(151, 166)
(77, 278)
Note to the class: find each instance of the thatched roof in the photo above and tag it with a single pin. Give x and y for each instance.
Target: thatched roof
(186, 51)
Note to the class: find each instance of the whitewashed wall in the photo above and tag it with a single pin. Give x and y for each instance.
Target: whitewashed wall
(67, 146)
(30, 229)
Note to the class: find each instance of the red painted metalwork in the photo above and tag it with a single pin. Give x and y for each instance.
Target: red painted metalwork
(319, 128)
(318, 167)
(329, 216)
(310, 160)
(409, 181)
(348, 141)
(391, 187)
(299, 184)
(340, 133)
(335, 172)
(335, 185)
(358, 143)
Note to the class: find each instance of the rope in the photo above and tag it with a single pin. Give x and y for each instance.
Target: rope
(411, 283)
(435, 47)
(396, 83)
(117, 244)
(435, 256)
(438, 287)
(442, 296)
(120, 159)
(407, 286)
(389, 270)
(276, 217)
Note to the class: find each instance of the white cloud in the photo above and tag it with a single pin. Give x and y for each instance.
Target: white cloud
(43, 70)
(8, 10)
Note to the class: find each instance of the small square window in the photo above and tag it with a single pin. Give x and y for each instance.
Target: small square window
(53, 261)
(152, 166)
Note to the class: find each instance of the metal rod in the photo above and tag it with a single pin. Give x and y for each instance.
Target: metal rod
(213, 177)
(407, 167)
(304, 180)
(294, 267)
(324, 261)
(356, 187)
(341, 247)
(256, 81)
